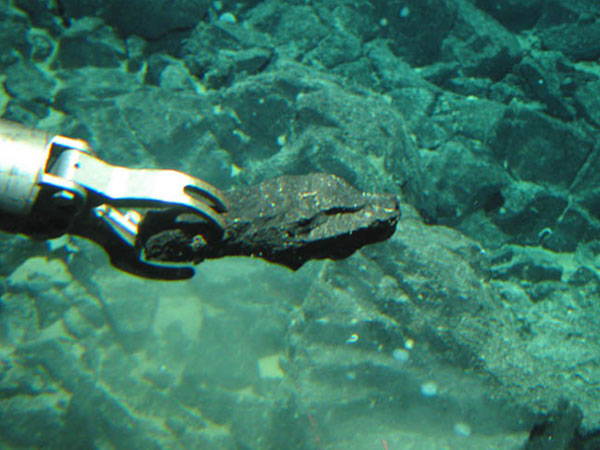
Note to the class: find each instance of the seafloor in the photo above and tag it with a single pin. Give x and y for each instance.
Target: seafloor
(475, 326)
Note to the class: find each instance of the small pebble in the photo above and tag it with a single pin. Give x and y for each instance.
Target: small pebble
(227, 17)
(401, 355)
(462, 429)
(429, 389)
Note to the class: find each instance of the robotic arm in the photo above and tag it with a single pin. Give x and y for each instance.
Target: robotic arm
(51, 185)
(147, 220)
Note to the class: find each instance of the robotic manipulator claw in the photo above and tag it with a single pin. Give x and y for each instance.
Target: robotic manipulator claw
(51, 185)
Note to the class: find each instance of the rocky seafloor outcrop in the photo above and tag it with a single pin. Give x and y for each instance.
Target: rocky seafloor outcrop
(475, 324)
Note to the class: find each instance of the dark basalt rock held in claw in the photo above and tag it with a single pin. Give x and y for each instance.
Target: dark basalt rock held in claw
(287, 220)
